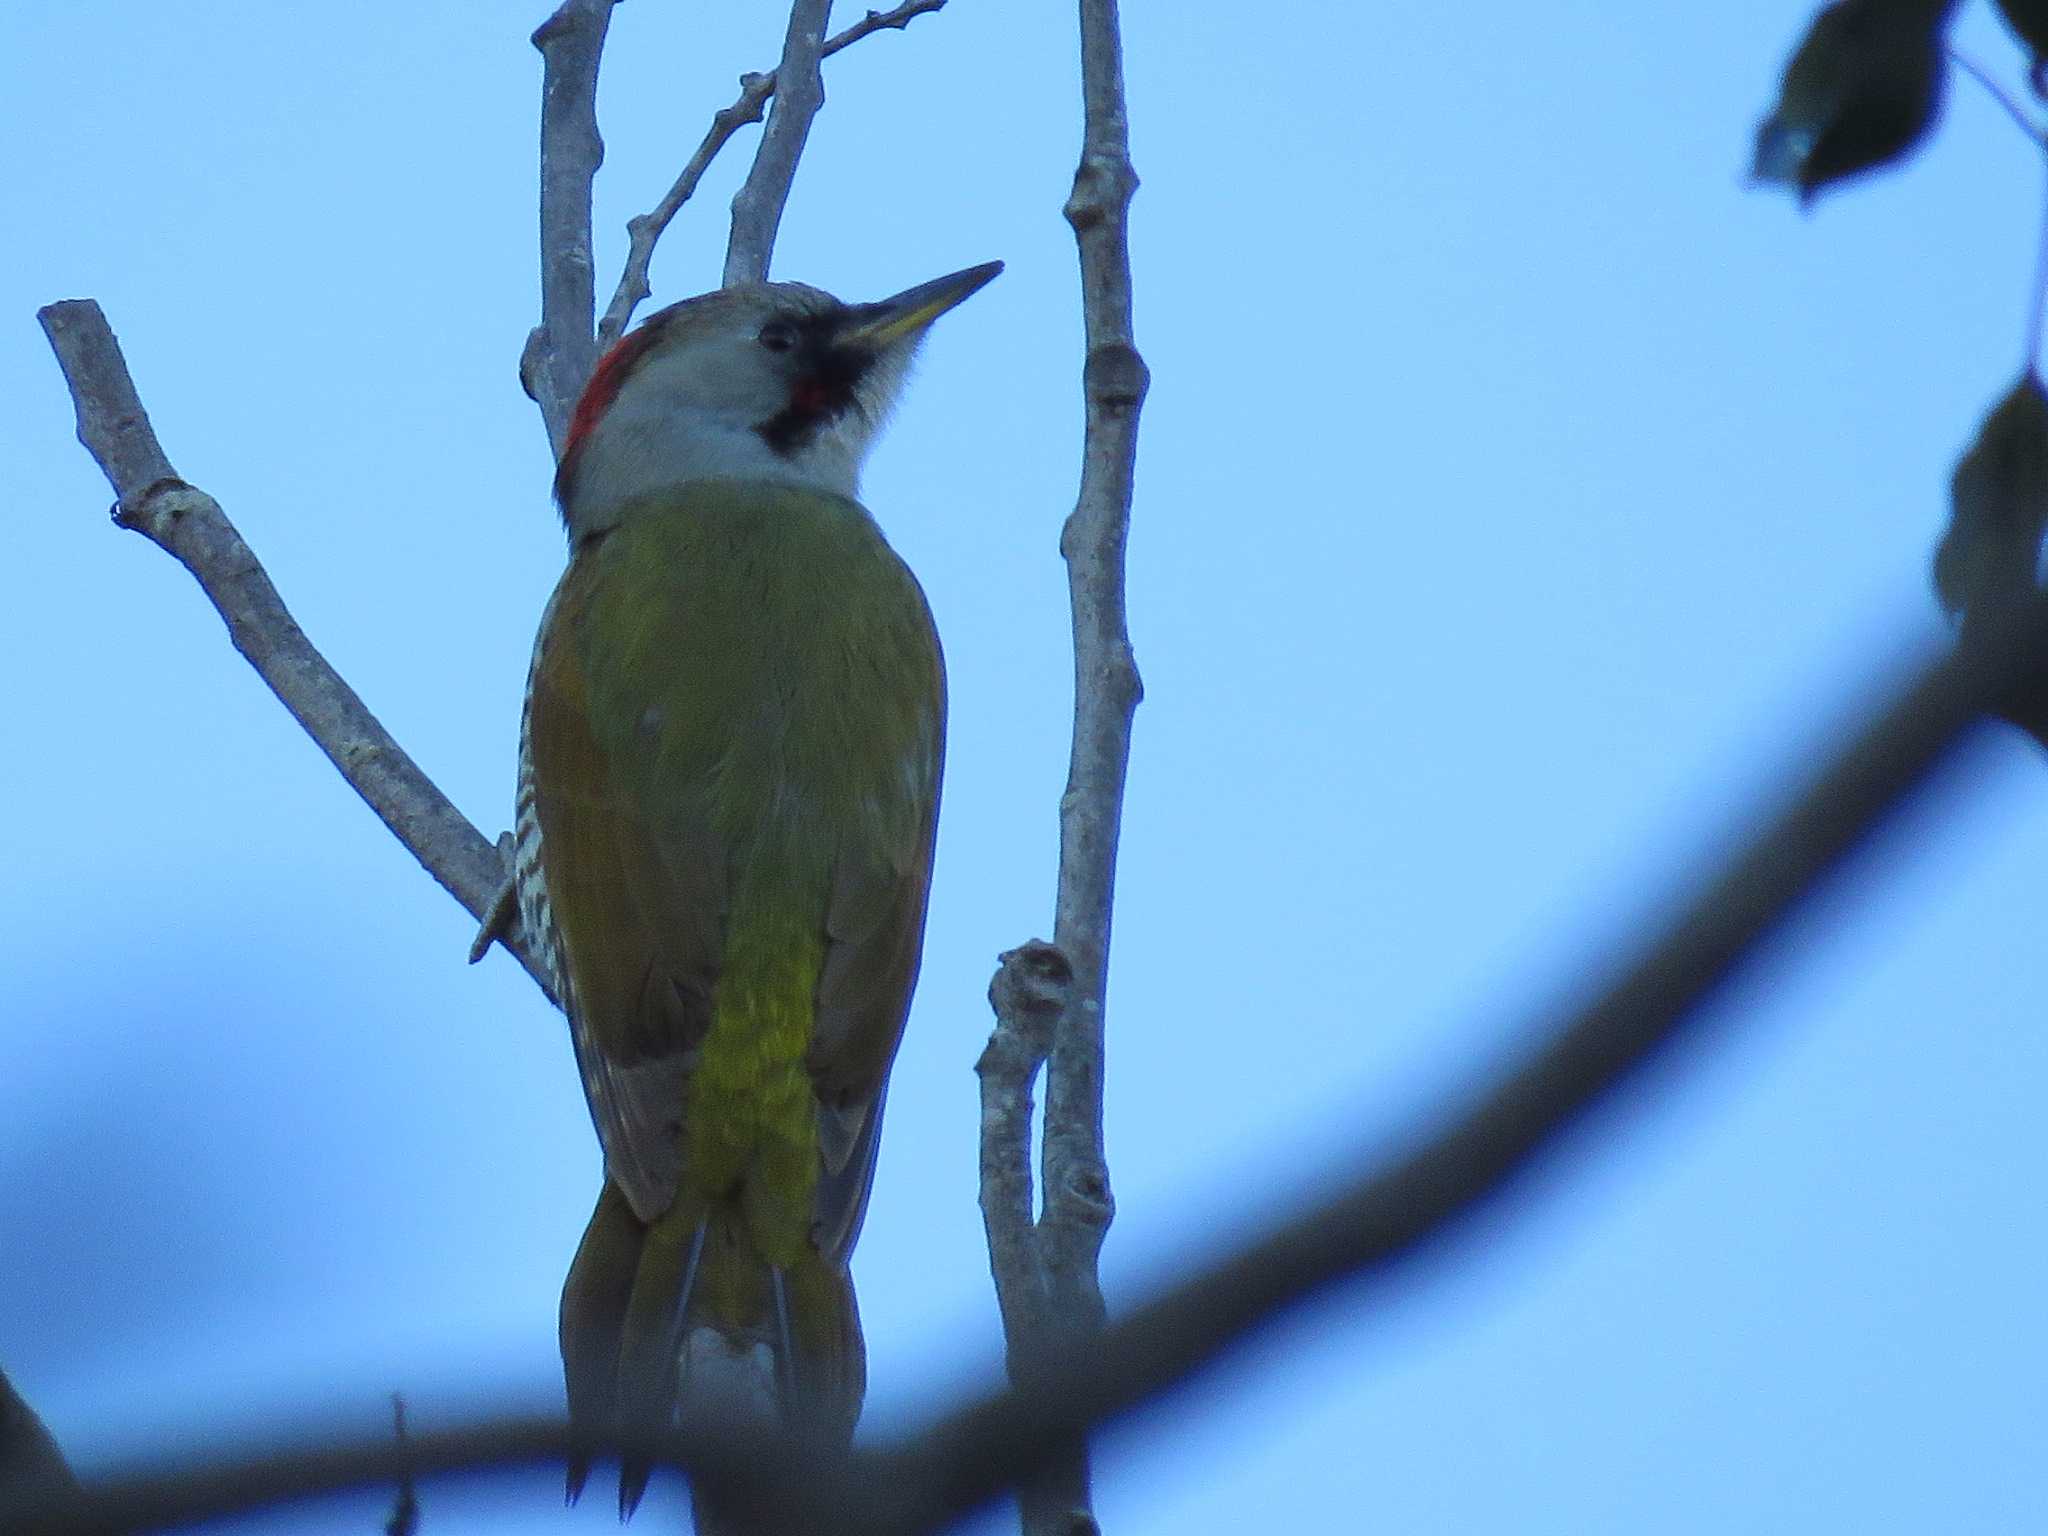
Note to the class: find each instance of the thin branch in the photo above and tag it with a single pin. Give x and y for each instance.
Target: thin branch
(645, 231)
(1078, 1205)
(799, 93)
(2037, 301)
(1049, 1290)
(1032, 990)
(1106, 686)
(1999, 94)
(189, 525)
(2037, 306)
(561, 350)
(1376, 1220)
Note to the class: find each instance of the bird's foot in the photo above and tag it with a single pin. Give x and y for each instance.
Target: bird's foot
(503, 911)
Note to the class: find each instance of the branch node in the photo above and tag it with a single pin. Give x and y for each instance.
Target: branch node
(1115, 376)
(531, 360)
(162, 506)
(1103, 187)
(1083, 1194)
(1035, 979)
(1030, 992)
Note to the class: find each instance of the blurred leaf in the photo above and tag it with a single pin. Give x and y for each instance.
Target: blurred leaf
(1991, 554)
(1860, 91)
(1998, 508)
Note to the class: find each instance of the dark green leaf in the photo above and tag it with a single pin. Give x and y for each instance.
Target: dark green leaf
(1860, 91)
(1991, 553)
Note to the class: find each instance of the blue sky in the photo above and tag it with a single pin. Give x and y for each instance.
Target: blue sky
(1520, 497)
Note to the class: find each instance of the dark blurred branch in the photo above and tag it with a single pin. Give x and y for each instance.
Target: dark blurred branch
(404, 1519)
(562, 349)
(645, 230)
(799, 93)
(32, 1469)
(1375, 1220)
(189, 525)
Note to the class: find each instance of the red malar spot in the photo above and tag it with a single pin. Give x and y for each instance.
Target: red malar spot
(811, 397)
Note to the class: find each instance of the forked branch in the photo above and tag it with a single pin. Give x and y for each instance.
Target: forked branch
(644, 231)
(1053, 1302)
(562, 349)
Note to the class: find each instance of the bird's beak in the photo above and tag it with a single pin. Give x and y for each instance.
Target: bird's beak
(875, 326)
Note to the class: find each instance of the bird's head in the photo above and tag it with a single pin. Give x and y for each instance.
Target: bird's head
(775, 381)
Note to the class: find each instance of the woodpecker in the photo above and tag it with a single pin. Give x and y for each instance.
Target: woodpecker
(729, 773)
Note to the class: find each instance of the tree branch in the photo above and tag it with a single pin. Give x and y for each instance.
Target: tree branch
(799, 93)
(1078, 1205)
(1376, 1219)
(645, 231)
(1032, 991)
(1106, 685)
(189, 525)
(561, 350)
(32, 1469)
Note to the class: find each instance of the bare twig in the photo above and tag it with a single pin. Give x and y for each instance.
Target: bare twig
(1106, 689)
(561, 350)
(1078, 1206)
(2037, 300)
(1997, 93)
(1048, 1288)
(1378, 1218)
(799, 93)
(1031, 992)
(645, 230)
(189, 525)
(2037, 303)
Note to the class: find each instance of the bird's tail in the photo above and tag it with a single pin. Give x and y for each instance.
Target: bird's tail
(683, 1322)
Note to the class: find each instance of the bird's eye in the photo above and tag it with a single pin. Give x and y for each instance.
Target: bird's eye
(778, 336)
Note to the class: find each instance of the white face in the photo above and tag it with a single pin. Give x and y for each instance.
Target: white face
(742, 383)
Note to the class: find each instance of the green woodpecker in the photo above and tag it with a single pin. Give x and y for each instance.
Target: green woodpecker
(728, 787)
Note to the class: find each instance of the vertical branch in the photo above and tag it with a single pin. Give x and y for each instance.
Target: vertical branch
(1106, 685)
(799, 93)
(1078, 1206)
(644, 230)
(1053, 1303)
(562, 349)
(2037, 300)
(1032, 990)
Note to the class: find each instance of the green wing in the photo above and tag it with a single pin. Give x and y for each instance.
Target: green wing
(738, 707)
